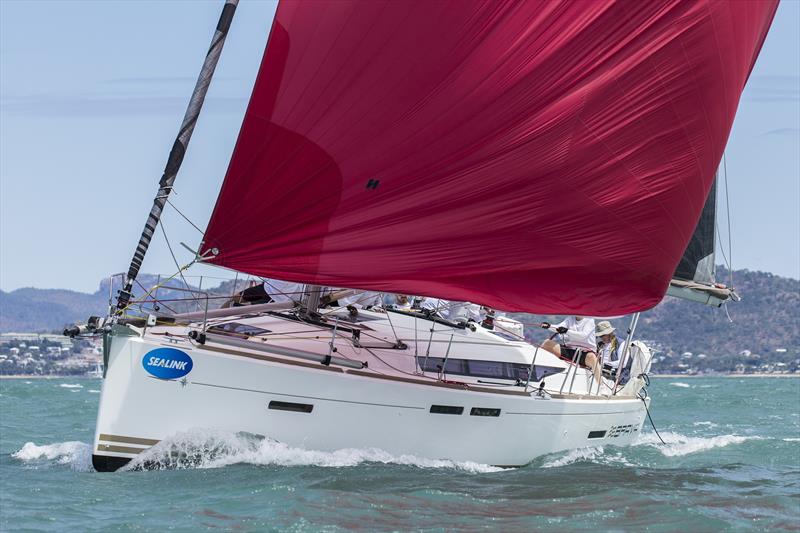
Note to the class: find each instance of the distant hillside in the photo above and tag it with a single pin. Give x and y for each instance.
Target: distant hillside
(767, 318)
(47, 310)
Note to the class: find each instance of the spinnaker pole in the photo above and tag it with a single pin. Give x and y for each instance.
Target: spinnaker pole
(178, 150)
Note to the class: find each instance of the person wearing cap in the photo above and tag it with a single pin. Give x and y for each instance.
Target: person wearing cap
(609, 347)
(578, 334)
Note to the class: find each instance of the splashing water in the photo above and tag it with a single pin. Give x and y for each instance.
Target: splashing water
(205, 449)
(202, 448)
(575, 456)
(78, 455)
(679, 445)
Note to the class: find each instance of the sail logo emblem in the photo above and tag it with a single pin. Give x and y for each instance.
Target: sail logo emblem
(167, 363)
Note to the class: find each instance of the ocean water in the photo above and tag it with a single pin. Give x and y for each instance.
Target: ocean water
(731, 462)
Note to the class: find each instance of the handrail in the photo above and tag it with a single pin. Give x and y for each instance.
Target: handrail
(279, 350)
(574, 372)
(234, 311)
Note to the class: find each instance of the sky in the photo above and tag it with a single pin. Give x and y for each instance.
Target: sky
(92, 95)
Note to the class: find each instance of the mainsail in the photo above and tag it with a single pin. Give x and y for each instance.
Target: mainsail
(550, 157)
(694, 278)
(697, 262)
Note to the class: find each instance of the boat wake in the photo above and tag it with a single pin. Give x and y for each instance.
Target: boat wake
(677, 445)
(586, 455)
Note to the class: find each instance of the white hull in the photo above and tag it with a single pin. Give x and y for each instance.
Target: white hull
(231, 390)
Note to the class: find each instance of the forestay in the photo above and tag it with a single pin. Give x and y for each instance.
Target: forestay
(550, 157)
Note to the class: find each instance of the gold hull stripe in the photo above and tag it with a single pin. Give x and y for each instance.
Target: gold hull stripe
(127, 440)
(118, 449)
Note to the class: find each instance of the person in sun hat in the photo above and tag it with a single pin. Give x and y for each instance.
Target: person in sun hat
(609, 347)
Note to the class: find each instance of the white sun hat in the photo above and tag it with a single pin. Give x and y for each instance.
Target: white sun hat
(604, 327)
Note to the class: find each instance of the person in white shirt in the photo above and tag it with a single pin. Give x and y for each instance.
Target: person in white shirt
(455, 311)
(578, 333)
(610, 348)
(284, 291)
(363, 299)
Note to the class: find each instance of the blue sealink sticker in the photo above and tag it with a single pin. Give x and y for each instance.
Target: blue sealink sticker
(167, 363)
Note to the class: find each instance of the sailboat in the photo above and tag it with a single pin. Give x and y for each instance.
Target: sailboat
(543, 157)
(96, 372)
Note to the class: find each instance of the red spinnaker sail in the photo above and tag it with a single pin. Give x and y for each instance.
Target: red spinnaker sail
(540, 156)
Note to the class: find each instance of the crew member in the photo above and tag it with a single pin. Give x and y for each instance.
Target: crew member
(610, 348)
(577, 333)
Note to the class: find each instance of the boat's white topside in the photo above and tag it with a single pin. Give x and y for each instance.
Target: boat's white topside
(377, 345)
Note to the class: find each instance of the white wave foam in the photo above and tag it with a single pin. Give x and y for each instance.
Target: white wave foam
(705, 423)
(94, 391)
(71, 386)
(200, 448)
(575, 456)
(596, 454)
(678, 445)
(680, 384)
(76, 454)
(792, 439)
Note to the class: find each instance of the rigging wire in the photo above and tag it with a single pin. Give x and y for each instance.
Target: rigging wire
(180, 271)
(728, 217)
(155, 300)
(391, 325)
(728, 261)
(185, 217)
(721, 248)
(158, 285)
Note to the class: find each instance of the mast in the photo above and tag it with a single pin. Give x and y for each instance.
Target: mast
(178, 150)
